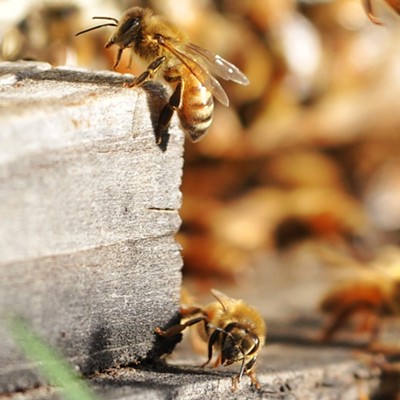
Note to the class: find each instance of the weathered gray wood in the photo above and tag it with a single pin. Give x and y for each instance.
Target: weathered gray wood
(285, 372)
(88, 211)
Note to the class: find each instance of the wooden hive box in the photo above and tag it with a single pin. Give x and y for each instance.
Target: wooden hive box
(88, 213)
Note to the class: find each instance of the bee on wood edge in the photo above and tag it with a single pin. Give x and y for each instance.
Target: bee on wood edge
(190, 70)
(232, 327)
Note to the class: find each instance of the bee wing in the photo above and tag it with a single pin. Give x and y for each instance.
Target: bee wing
(198, 67)
(217, 65)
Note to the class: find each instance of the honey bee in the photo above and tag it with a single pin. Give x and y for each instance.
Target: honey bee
(370, 300)
(371, 295)
(234, 328)
(187, 68)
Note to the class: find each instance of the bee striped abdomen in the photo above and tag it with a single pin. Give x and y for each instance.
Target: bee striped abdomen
(196, 110)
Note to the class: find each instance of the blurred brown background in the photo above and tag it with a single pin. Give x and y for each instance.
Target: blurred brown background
(296, 186)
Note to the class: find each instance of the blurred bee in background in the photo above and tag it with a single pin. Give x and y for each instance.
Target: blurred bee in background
(234, 328)
(370, 296)
(189, 69)
(371, 300)
(395, 4)
(44, 34)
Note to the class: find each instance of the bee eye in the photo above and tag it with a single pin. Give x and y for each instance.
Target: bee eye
(129, 25)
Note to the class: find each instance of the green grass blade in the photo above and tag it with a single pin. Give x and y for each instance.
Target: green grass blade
(53, 367)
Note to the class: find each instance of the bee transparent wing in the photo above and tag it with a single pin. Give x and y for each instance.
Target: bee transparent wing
(198, 67)
(217, 65)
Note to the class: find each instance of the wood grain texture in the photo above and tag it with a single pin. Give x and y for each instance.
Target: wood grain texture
(88, 209)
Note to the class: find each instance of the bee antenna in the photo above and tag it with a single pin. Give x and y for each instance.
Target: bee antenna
(93, 28)
(109, 18)
(214, 293)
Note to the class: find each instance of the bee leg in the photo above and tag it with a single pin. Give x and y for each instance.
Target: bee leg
(338, 320)
(247, 369)
(235, 382)
(188, 312)
(176, 329)
(218, 361)
(211, 342)
(167, 112)
(250, 364)
(130, 60)
(376, 329)
(253, 378)
(148, 74)
(118, 58)
(251, 373)
(370, 12)
(242, 369)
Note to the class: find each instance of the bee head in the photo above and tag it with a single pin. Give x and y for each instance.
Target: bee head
(128, 28)
(238, 344)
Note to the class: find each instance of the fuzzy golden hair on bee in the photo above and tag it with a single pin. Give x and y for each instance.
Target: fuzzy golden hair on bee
(188, 69)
